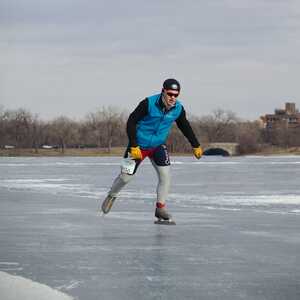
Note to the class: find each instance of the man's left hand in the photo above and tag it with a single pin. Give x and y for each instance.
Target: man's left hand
(198, 152)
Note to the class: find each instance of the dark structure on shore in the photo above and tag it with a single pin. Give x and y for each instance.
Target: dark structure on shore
(221, 149)
(283, 127)
(282, 118)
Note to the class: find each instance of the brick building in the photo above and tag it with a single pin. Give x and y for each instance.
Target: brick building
(282, 118)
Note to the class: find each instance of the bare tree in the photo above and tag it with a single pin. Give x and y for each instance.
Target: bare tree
(250, 137)
(177, 142)
(107, 124)
(283, 136)
(17, 127)
(2, 126)
(37, 133)
(85, 134)
(63, 131)
(220, 126)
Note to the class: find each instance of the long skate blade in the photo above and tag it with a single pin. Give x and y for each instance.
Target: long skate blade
(107, 205)
(165, 222)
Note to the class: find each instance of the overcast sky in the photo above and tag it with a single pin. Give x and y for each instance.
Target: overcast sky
(71, 57)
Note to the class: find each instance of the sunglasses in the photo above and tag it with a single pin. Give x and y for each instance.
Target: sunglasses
(172, 95)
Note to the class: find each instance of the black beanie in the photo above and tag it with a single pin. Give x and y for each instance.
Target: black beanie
(171, 84)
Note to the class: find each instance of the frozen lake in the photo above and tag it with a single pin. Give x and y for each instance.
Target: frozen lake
(237, 233)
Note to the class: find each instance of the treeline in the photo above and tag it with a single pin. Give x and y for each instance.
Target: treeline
(103, 128)
(106, 128)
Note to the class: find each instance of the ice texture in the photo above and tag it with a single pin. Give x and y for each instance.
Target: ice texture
(237, 234)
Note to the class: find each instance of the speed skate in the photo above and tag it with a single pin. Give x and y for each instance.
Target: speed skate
(165, 222)
(163, 217)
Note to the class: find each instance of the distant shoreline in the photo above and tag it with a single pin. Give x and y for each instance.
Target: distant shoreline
(119, 151)
(116, 151)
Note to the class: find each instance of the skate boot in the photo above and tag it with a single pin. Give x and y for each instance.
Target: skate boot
(108, 203)
(163, 216)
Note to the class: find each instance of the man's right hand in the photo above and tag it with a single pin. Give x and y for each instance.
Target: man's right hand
(198, 152)
(136, 152)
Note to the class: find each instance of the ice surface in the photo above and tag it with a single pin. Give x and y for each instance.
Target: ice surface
(237, 233)
(19, 288)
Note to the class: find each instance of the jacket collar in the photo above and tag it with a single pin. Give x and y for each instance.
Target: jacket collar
(160, 104)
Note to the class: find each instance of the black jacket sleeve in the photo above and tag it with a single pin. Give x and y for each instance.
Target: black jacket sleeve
(139, 113)
(185, 127)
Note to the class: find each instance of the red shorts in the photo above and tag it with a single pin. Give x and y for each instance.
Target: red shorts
(159, 155)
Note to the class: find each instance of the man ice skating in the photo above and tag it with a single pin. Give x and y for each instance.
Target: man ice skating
(148, 127)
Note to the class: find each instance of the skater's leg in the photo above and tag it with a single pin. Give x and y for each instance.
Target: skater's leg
(119, 183)
(164, 179)
(122, 179)
(163, 185)
(161, 163)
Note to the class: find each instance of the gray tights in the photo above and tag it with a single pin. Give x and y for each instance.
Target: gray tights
(162, 190)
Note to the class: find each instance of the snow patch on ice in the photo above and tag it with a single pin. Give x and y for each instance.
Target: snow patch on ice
(10, 266)
(16, 288)
(203, 162)
(64, 164)
(129, 216)
(73, 284)
(235, 199)
(52, 185)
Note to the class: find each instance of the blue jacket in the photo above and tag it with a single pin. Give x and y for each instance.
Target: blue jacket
(153, 130)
